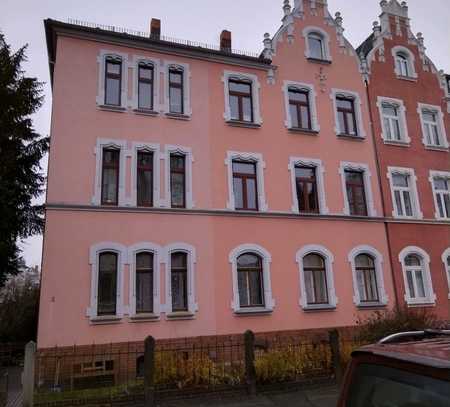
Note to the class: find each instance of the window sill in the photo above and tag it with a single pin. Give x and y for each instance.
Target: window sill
(178, 116)
(117, 109)
(146, 112)
(325, 307)
(350, 137)
(238, 123)
(421, 304)
(396, 143)
(436, 148)
(105, 319)
(407, 78)
(319, 61)
(144, 317)
(252, 311)
(304, 131)
(406, 217)
(180, 315)
(370, 305)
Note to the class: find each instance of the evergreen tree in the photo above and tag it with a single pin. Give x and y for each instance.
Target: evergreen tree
(21, 150)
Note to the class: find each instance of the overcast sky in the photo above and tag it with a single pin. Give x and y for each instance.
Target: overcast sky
(199, 20)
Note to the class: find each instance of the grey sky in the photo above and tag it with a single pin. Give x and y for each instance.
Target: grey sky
(199, 20)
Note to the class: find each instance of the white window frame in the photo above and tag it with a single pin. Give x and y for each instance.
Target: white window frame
(121, 145)
(269, 302)
(444, 257)
(189, 159)
(191, 263)
(145, 247)
(156, 83)
(122, 259)
(367, 177)
(410, 58)
(255, 85)
(312, 97)
(320, 171)
(417, 213)
(358, 111)
(101, 64)
(433, 175)
(430, 298)
(439, 123)
(155, 150)
(378, 261)
(187, 108)
(325, 42)
(329, 260)
(256, 158)
(397, 103)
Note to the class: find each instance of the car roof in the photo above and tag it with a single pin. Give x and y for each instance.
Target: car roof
(433, 352)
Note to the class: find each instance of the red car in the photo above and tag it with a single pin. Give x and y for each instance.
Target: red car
(410, 369)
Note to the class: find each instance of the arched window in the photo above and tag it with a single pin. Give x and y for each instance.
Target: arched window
(144, 282)
(315, 279)
(316, 46)
(367, 278)
(107, 284)
(250, 280)
(403, 64)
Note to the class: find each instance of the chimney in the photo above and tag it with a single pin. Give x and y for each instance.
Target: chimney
(225, 41)
(155, 29)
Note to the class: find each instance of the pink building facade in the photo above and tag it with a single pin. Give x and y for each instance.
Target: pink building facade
(194, 191)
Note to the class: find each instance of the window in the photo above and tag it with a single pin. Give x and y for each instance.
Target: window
(402, 64)
(179, 281)
(315, 45)
(113, 81)
(245, 186)
(433, 129)
(241, 104)
(144, 282)
(306, 185)
(145, 86)
(176, 90)
(367, 278)
(110, 176)
(144, 178)
(416, 272)
(250, 280)
(177, 180)
(299, 108)
(346, 116)
(107, 284)
(440, 182)
(404, 193)
(354, 184)
(393, 120)
(446, 261)
(316, 278)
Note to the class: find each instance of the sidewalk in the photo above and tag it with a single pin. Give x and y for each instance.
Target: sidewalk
(325, 396)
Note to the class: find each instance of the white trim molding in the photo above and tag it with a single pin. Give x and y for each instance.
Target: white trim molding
(155, 64)
(423, 107)
(414, 195)
(137, 147)
(367, 177)
(430, 296)
(312, 98)
(320, 184)
(378, 261)
(446, 260)
(361, 133)
(189, 159)
(120, 145)
(438, 175)
(329, 260)
(403, 127)
(145, 247)
(185, 68)
(325, 42)
(101, 65)
(255, 85)
(411, 61)
(256, 158)
(191, 262)
(122, 259)
(269, 302)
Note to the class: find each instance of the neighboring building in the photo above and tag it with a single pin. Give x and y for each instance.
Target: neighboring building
(409, 99)
(194, 191)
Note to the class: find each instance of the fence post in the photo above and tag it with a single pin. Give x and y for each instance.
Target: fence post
(250, 371)
(28, 374)
(149, 371)
(336, 355)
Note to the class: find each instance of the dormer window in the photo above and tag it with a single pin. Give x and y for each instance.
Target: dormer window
(316, 47)
(317, 44)
(402, 64)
